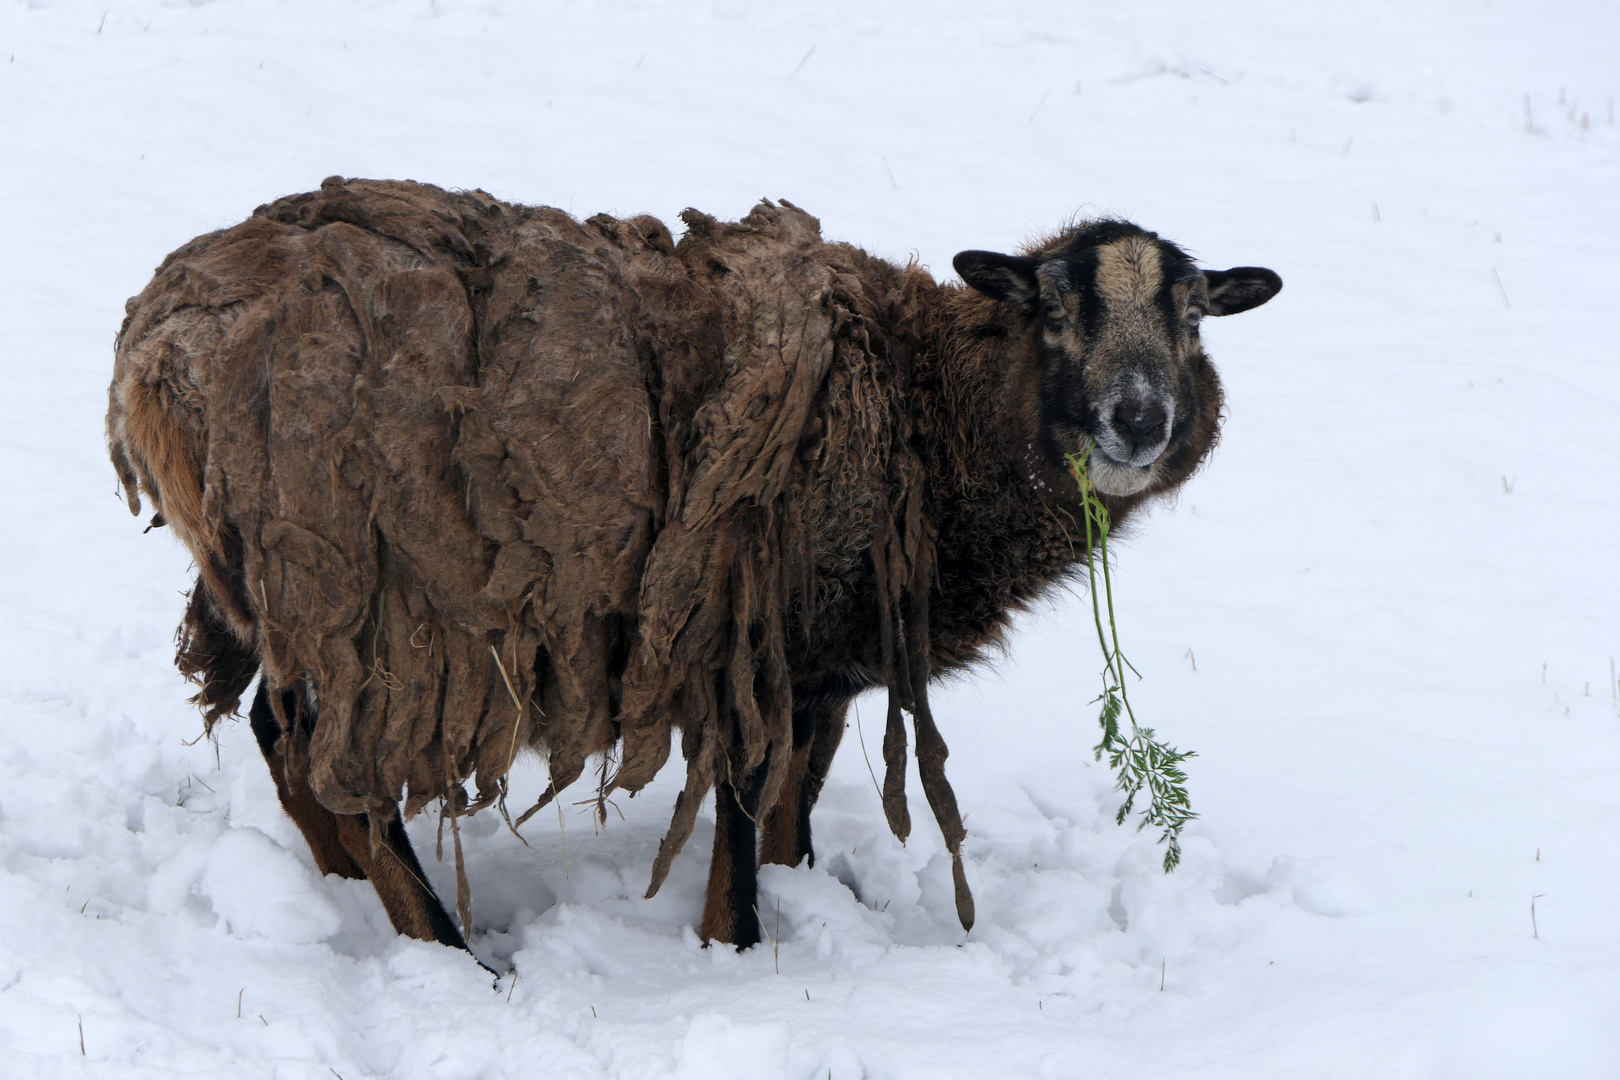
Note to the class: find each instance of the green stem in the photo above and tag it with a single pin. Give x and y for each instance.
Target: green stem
(1140, 760)
(1086, 505)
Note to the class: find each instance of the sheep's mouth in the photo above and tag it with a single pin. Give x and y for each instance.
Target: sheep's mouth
(1130, 432)
(1111, 476)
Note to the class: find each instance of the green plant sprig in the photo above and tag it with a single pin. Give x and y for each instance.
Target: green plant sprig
(1140, 761)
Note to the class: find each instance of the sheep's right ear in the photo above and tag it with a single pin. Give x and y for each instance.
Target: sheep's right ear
(1000, 277)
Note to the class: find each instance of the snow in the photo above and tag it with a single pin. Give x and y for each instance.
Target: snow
(1396, 579)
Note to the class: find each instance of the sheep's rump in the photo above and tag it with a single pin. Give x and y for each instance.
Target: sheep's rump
(471, 476)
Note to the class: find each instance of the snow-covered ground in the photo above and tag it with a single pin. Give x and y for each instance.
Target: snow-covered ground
(1397, 580)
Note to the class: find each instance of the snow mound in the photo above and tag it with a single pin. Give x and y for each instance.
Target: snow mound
(260, 889)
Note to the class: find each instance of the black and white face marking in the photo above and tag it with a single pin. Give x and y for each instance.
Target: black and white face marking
(1126, 352)
(1118, 311)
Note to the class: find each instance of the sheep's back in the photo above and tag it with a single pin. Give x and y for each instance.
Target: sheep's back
(407, 436)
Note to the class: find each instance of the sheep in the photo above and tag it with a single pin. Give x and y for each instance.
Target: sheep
(463, 478)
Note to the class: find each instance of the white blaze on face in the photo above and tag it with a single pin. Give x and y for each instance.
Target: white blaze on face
(1129, 276)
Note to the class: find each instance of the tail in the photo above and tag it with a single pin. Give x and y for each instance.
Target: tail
(213, 657)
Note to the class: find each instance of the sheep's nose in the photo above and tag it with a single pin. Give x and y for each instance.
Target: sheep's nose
(1139, 423)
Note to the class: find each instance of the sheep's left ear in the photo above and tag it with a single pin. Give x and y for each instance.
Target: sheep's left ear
(1000, 277)
(1240, 288)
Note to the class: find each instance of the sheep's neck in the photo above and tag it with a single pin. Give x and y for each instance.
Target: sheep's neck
(1006, 520)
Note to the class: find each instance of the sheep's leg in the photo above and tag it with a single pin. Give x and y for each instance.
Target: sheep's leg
(730, 911)
(341, 843)
(318, 824)
(412, 905)
(817, 730)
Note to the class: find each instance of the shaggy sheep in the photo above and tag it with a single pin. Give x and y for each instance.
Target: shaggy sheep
(462, 478)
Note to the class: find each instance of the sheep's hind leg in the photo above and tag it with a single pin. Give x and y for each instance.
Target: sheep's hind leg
(318, 824)
(730, 911)
(341, 843)
(817, 730)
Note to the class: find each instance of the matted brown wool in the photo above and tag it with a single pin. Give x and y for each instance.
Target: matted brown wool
(472, 477)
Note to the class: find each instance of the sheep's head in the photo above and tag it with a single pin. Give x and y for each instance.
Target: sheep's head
(1114, 311)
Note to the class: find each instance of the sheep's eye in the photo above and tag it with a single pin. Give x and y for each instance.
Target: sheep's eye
(1195, 315)
(1054, 309)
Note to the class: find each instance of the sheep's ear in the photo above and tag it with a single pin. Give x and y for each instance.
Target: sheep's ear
(1000, 277)
(1240, 288)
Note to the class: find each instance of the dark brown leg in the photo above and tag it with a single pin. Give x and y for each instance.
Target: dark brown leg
(817, 730)
(412, 905)
(318, 824)
(341, 843)
(730, 912)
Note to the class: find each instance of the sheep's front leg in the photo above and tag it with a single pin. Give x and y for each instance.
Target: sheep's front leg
(817, 729)
(730, 910)
(341, 843)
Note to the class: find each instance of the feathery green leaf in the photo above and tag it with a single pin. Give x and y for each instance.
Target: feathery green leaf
(1139, 761)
